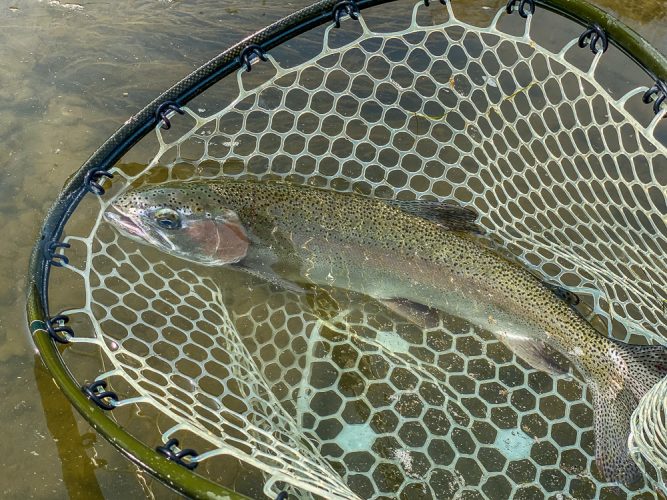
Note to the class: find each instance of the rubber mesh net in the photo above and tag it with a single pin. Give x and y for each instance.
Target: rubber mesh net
(331, 394)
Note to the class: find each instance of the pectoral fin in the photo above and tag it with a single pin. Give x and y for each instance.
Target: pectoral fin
(449, 216)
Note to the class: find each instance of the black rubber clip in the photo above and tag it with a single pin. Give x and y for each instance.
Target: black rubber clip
(283, 495)
(522, 7)
(92, 392)
(57, 331)
(163, 110)
(57, 259)
(248, 53)
(92, 181)
(346, 7)
(595, 33)
(428, 2)
(659, 90)
(169, 451)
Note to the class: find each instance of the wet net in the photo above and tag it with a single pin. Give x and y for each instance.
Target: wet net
(330, 394)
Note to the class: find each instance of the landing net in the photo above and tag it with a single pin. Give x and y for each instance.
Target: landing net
(333, 395)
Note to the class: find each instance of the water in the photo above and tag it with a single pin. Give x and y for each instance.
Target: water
(71, 74)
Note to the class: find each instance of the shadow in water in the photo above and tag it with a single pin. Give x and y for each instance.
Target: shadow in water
(78, 470)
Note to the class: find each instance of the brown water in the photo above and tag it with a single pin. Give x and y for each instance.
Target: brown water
(71, 74)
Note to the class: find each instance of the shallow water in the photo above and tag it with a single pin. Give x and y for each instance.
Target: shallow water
(71, 74)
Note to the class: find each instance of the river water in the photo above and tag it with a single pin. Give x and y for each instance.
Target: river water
(71, 74)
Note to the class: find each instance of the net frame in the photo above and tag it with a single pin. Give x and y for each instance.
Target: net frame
(85, 180)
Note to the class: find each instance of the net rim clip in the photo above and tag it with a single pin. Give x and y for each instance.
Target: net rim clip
(245, 57)
(659, 90)
(92, 181)
(346, 7)
(595, 33)
(163, 110)
(59, 333)
(427, 3)
(169, 451)
(521, 9)
(57, 259)
(92, 392)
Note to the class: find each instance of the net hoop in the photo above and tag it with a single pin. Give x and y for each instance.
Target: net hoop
(138, 126)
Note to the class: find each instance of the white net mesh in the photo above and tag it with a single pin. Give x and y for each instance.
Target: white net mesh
(347, 401)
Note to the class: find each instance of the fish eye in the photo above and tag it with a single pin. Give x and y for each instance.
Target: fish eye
(167, 218)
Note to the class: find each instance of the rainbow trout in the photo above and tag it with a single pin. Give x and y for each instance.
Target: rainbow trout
(419, 253)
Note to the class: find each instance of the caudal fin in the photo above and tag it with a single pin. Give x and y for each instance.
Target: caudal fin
(615, 397)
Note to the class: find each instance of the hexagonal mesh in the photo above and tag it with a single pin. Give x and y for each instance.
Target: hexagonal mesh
(332, 394)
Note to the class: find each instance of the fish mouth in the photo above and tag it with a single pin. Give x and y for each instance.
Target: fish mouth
(119, 219)
(127, 225)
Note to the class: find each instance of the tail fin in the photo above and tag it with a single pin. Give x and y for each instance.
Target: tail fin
(637, 369)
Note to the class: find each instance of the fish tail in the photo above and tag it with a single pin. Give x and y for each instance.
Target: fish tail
(637, 369)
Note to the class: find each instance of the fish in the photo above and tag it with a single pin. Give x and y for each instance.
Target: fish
(412, 256)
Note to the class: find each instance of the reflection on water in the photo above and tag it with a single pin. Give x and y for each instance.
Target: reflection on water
(70, 77)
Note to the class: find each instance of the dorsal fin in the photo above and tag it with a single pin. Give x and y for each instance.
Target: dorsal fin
(445, 214)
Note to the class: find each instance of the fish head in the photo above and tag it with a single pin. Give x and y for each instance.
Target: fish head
(182, 219)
